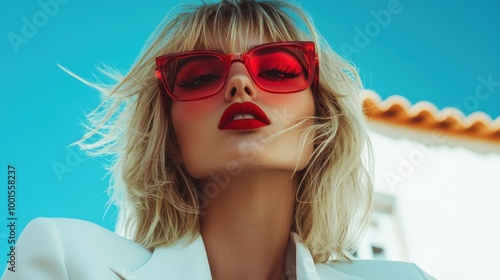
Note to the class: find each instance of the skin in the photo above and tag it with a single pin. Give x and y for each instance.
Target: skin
(248, 184)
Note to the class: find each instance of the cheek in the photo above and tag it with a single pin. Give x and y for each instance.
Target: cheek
(287, 110)
(181, 122)
(192, 118)
(294, 146)
(194, 126)
(308, 110)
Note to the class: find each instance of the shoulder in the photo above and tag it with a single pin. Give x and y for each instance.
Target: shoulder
(379, 269)
(56, 248)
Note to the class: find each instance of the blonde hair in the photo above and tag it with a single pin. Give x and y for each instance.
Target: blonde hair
(157, 197)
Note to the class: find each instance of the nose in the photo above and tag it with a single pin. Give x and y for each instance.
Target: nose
(239, 85)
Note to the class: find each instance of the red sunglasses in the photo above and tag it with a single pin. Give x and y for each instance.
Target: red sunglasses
(285, 67)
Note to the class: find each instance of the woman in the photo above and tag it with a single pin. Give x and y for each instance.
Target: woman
(244, 157)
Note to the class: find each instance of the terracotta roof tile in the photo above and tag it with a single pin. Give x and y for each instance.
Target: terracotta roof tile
(397, 110)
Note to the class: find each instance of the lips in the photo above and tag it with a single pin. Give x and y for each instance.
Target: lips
(239, 116)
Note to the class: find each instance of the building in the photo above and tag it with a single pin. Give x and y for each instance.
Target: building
(437, 188)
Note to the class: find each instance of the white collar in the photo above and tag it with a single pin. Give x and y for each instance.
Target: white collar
(185, 260)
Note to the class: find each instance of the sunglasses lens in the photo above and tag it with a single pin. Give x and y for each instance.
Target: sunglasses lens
(193, 77)
(280, 69)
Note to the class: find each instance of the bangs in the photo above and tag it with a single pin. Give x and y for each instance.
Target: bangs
(235, 26)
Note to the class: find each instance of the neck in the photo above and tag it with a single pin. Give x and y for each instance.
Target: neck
(247, 226)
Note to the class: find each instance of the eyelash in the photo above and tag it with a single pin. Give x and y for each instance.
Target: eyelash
(285, 70)
(193, 78)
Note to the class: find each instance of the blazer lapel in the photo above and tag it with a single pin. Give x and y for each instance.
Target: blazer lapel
(179, 261)
(185, 260)
(307, 270)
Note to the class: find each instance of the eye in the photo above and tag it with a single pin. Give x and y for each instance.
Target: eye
(278, 65)
(279, 73)
(196, 80)
(197, 71)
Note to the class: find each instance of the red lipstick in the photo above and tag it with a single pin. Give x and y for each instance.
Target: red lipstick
(240, 116)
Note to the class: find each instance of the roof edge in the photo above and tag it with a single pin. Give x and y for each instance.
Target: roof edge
(397, 110)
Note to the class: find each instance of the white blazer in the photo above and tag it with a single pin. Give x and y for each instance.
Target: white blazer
(62, 249)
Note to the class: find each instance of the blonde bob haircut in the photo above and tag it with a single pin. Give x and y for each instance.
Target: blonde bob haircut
(158, 200)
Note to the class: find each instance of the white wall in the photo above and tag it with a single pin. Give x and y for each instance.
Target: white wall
(447, 200)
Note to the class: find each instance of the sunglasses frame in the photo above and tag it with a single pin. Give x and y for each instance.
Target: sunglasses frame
(306, 46)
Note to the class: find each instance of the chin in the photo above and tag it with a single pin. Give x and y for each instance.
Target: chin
(234, 166)
(248, 155)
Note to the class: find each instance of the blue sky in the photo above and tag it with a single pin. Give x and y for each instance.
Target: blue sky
(424, 50)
